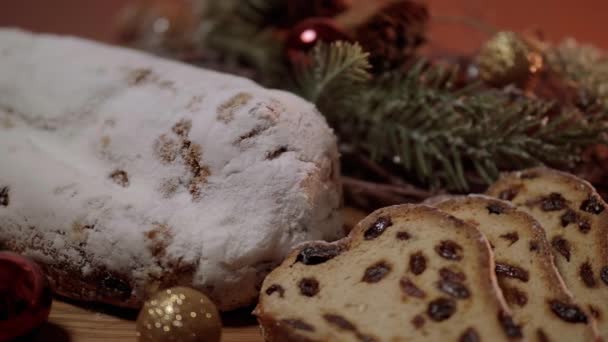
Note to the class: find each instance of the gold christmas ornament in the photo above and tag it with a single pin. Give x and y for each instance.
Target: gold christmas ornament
(179, 314)
(506, 59)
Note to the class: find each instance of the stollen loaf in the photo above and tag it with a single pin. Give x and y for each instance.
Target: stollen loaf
(122, 173)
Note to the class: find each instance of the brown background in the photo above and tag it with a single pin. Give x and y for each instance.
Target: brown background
(586, 20)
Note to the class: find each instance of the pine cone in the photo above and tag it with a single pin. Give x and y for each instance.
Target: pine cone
(392, 35)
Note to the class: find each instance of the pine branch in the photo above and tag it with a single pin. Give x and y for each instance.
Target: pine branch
(416, 121)
(238, 30)
(334, 72)
(419, 122)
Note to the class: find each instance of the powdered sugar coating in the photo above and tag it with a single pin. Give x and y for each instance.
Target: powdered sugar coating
(155, 173)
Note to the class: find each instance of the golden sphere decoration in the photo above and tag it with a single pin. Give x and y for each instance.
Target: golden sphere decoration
(506, 59)
(179, 314)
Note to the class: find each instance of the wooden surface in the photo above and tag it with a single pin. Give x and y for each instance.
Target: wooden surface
(81, 322)
(72, 323)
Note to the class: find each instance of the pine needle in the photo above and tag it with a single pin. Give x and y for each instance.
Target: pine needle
(333, 72)
(434, 131)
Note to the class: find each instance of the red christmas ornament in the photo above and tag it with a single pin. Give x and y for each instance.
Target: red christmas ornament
(25, 296)
(304, 36)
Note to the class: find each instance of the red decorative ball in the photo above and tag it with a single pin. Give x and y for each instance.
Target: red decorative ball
(25, 296)
(305, 35)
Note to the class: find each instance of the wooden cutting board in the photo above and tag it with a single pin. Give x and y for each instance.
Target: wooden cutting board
(78, 322)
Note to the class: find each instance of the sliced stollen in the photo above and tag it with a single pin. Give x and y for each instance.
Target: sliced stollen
(122, 173)
(575, 220)
(525, 270)
(404, 273)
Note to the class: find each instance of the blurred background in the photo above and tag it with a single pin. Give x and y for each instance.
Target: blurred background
(555, 19)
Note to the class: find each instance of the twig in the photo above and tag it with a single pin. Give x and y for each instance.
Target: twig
(387, 192)
(376, 168)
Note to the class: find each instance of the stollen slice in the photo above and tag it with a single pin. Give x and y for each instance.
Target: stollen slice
(404, 273)
(526, 273)
(575, 220)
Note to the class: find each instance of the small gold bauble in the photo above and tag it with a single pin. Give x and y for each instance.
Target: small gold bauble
(179, 314)
(504, 59)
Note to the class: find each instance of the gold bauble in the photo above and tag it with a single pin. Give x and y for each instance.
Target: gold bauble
(179, 314)
(504, 59)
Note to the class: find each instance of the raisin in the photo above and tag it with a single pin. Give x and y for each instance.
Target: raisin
(534, 247)
(339, 322)
(514, 296)
(410, 289)
(309, 287)
(376, 272)
(441, 309)
(586, 273)
(512, 237)
(138, 76)
(451, 283)
(120, 177)
(511, 271)
(553, 202)
(318, 254)
(604, 274)
(449, 250)
(469, 335)
(182, 127)
(567, 312)
(508, 194)
(592, 205)
(529, 175)
(377, 228)
(496, 208)
(276, 153)
(4, 199)
(454, 289)
(584, 226)
(450, 275)
(276, 288)
(511, 329)
(568, 217)
(298, 324)
(542, 337)
(417, 263)
(403, 236)
(365, 338)
(561, 246)
(418, 321)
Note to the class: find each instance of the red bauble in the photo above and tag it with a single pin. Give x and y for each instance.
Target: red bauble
(25, 296)
(304, 36)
